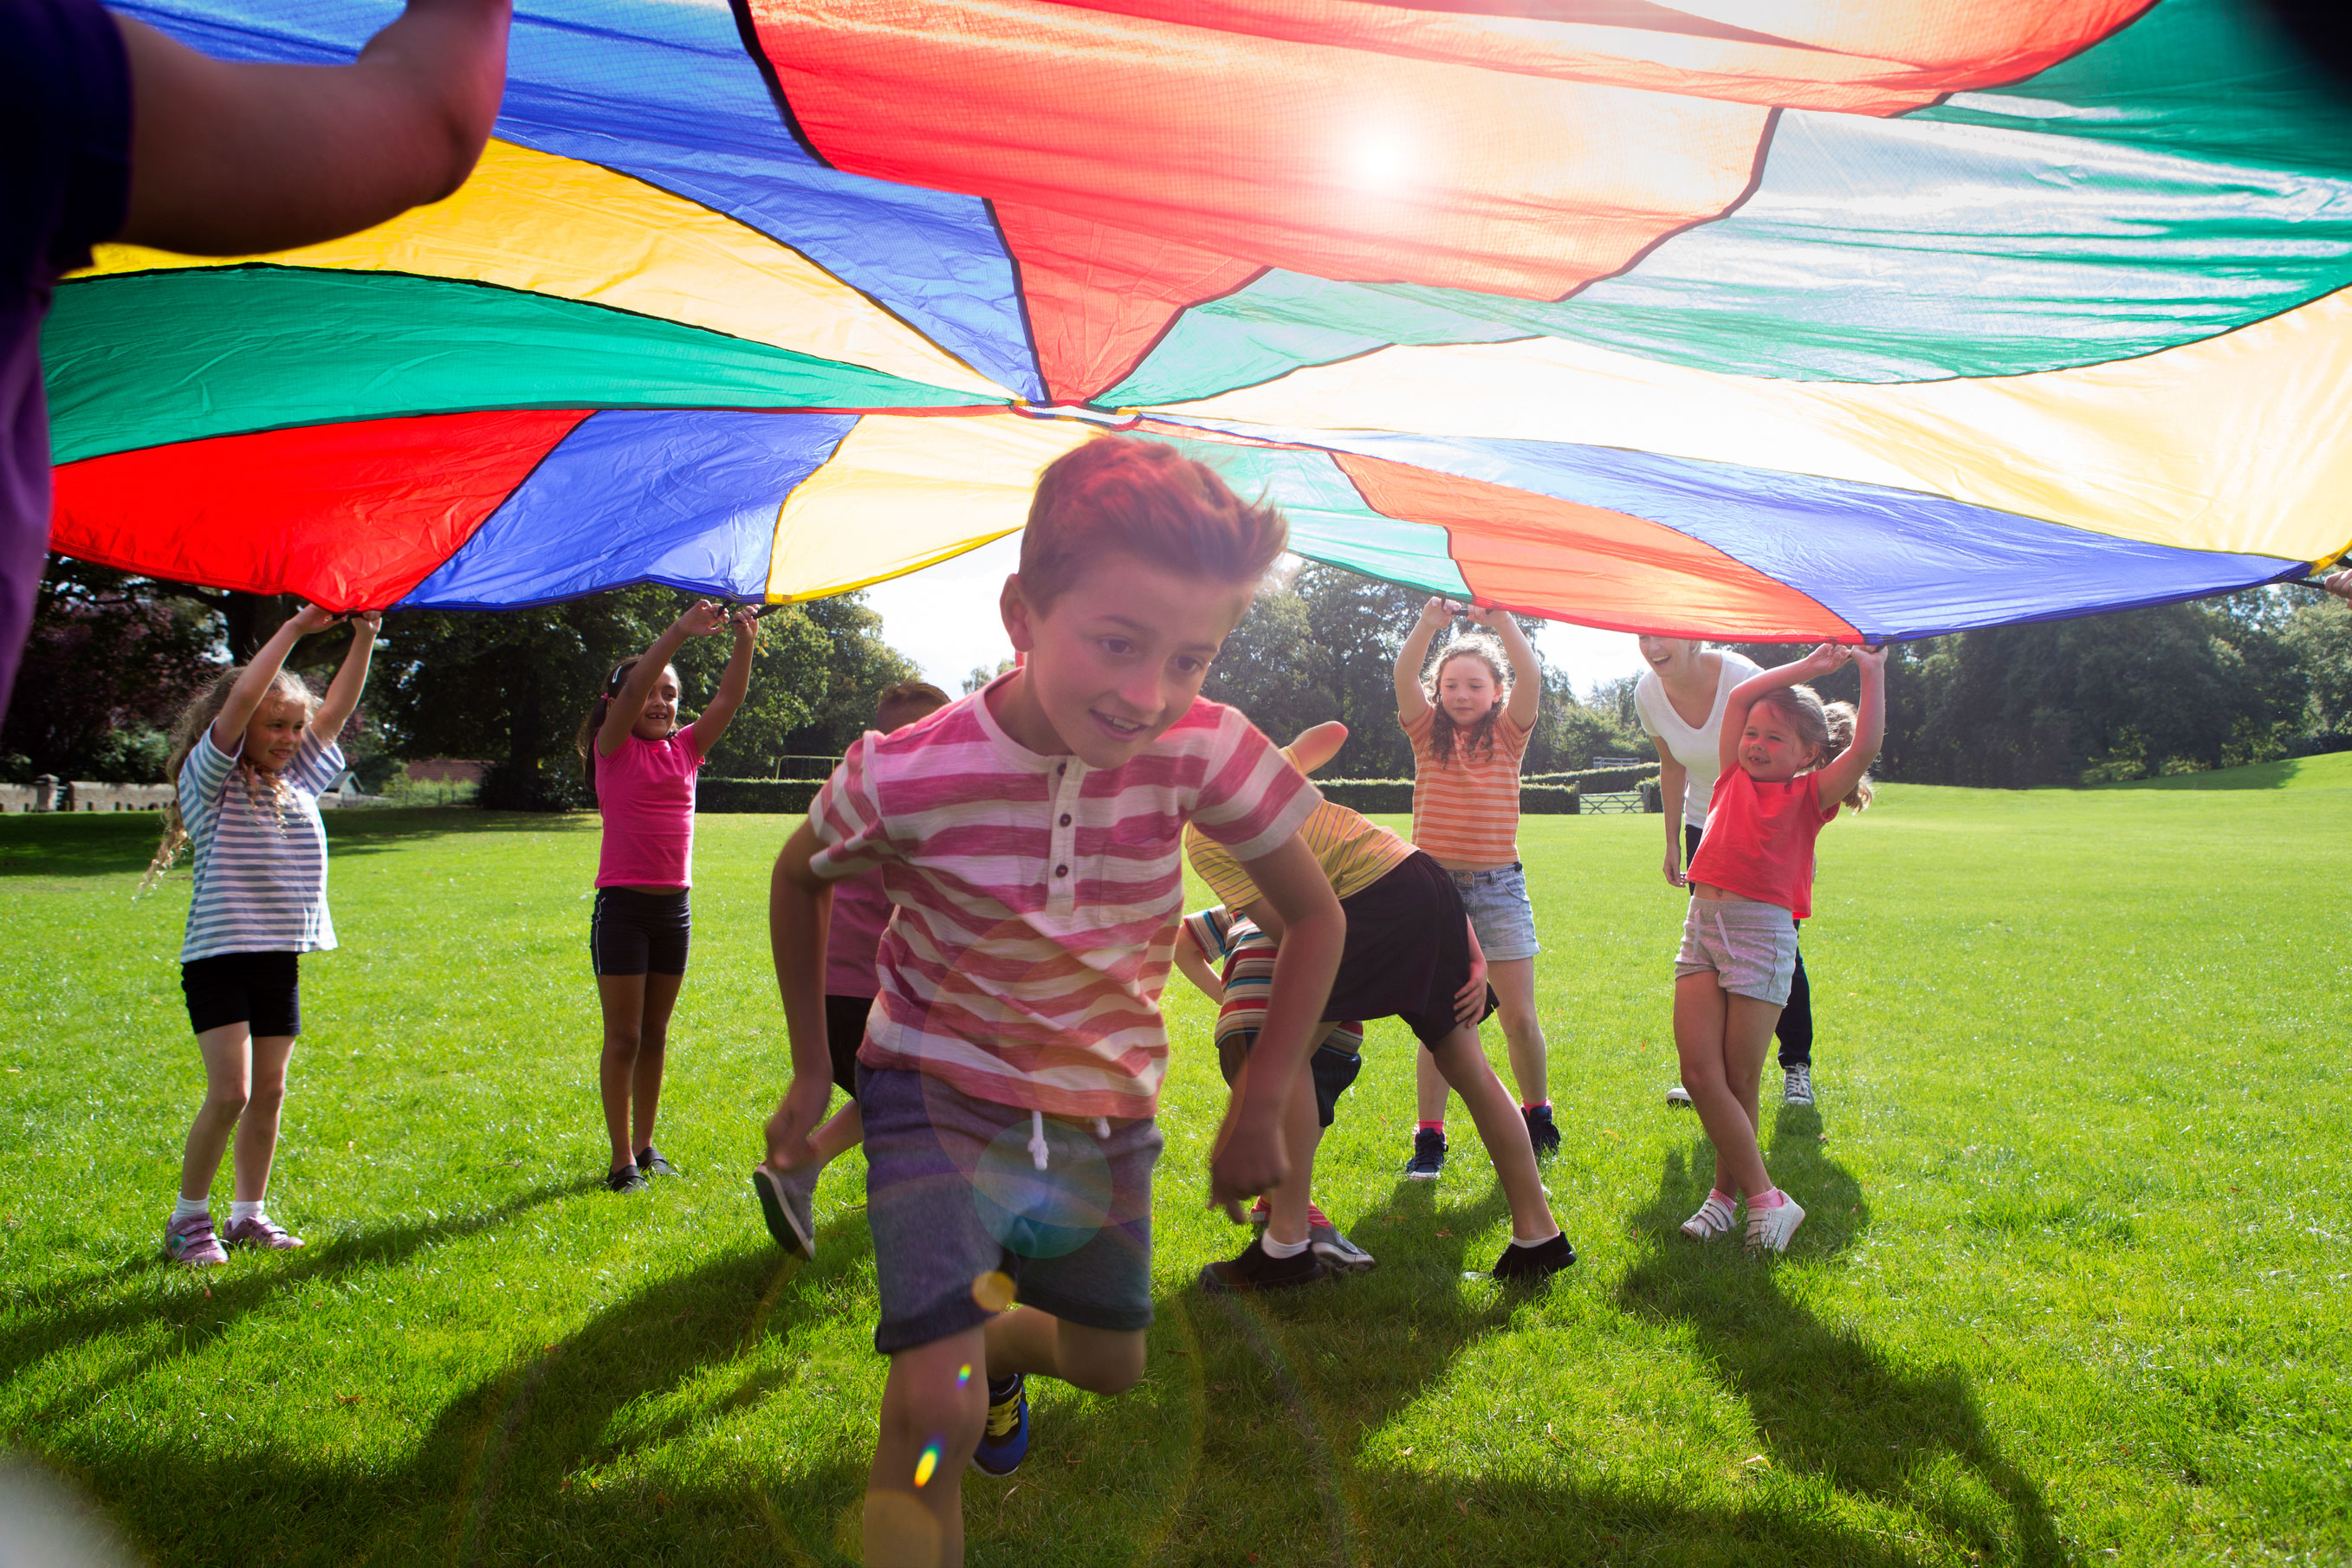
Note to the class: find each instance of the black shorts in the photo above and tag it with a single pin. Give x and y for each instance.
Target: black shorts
(1408, 951)
(1332, 1068)
(631, 933)
(845, 1031)
(262, 990)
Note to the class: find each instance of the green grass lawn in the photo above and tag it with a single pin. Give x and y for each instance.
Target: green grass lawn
(2073, 1285)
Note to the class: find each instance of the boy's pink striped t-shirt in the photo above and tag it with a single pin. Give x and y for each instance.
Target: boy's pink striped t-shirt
(860, 910)
(644, 791)
(1036, 898)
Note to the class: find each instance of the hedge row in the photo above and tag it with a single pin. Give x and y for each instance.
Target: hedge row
(775, 796)
(1598, 781)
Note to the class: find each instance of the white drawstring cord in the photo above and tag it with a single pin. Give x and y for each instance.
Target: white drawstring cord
(1037, 1139)
(1102, 1128)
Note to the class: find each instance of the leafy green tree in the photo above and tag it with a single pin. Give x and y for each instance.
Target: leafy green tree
(2319, 631)
(108, 664)
(857, 665)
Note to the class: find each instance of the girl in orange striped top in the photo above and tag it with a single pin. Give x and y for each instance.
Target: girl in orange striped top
(1469, 717)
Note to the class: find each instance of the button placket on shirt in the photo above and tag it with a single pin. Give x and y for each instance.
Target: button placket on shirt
(1062, 857)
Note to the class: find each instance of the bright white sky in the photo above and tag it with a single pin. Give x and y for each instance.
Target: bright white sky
(944, 618)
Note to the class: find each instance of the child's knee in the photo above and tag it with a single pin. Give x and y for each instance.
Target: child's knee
(1101, 1362)
(224, 1101)
(622, 1042)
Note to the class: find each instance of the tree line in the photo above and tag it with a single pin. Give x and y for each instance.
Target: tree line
(2182, 687)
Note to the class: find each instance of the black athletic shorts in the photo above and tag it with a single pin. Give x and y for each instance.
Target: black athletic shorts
(845, 1031)
(631, 933)
(1408, 951)
(262, 990)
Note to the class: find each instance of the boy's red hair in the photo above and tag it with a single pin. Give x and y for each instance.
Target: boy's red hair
(1147, 499)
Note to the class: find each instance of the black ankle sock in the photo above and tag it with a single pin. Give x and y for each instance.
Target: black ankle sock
(1000, 1389)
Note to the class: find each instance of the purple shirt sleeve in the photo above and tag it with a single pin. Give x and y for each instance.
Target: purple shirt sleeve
(65, 185)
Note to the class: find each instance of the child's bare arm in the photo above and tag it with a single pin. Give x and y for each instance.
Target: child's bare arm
(1846, 769)
(1527, 669)
(1412, 701)
(230, 158)
(1198, 969)
(1673, 780)
(1821, 661)
(799, 905)
(734, 683)
(351, 677)
(621, 717)
(1316, 745)
(2339, 584)
(1249, 1158)
(236, 712)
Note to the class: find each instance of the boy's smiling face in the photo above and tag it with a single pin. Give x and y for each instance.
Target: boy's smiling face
(1114, 660)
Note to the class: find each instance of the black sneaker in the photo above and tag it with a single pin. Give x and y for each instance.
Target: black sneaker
(1428, 1154)
(627, 1179)
(1254, 1270)
(1540, 1132)
(1531, 1264)
(650, 1163)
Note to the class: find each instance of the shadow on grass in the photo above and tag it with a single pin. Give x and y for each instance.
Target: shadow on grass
(90, 844)
(1242, 1442)
(1828, 1402)
(120, 844)
(196, 1318)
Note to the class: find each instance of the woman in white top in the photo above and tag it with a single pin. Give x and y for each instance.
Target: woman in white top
(1681, 699)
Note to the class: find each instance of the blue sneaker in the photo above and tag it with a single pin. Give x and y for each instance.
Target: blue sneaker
(1428, 1162)
(1005, 1442)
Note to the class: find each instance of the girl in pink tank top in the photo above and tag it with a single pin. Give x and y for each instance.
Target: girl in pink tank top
(642, 766)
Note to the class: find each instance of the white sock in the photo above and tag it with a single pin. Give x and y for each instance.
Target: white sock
(1518, 1240)
(188, 1208)
(242, 1211)
(1282, 1248)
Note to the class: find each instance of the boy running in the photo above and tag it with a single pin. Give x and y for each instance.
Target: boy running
(1028, 839)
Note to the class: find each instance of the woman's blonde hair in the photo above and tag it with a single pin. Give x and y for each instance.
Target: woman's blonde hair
(1476, 740)
(194, 720)
(1826, 728)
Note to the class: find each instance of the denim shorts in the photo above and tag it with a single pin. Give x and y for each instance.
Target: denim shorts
(1750, 948)
(1499, 912)
(959, 1206)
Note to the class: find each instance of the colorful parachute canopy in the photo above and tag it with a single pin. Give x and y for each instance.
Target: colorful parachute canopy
(1767, 318)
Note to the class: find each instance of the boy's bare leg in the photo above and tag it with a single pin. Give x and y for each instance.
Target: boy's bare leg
(1302, 1130)
(843, 1131)
(925, 1402)
(1100, 1361)
(1500, 1128)
(1713, 1030)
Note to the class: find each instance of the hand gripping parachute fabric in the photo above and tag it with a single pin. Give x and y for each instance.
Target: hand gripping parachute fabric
(1785, 319)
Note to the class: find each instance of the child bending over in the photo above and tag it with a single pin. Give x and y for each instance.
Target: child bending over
(1787, 761)
(1412, 954)
(860, 912)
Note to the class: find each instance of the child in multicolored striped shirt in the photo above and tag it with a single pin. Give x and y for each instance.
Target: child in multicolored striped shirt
(250, 757)
(1029, 839)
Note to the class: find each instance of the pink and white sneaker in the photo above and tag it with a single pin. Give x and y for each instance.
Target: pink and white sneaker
(191, 1241)
(260, 1231)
